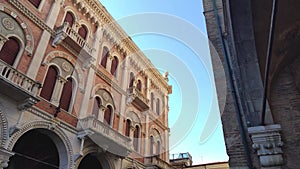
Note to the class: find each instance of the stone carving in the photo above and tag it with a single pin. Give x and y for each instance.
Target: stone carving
(267, 144)
(8, 24)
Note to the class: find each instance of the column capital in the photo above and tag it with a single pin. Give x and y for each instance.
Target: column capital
(267, 144)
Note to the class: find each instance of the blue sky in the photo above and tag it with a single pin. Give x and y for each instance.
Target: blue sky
(172, 35)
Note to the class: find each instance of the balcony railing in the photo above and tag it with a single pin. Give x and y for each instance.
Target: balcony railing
(73, 39)
(158, 162)
(17, 85)
(105, 136)
(137, 98)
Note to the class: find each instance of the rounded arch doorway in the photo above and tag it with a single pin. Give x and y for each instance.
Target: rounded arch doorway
(90, 161)
(95, 161)
(35, 150)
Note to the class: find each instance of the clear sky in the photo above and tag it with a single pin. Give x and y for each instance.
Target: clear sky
(172, 35)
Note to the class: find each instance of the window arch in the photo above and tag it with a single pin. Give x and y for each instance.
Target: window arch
(108, 114)
(96, 107)
(127, 128)
(136, 138)
(66, 96)
(69, 18)
(158, 106)
(35, 3)
(131, 79)
(105, 54)
(114, 66)
(152, 101)
(10, 51)
(139, 85)
(83, 31)
(49, 83)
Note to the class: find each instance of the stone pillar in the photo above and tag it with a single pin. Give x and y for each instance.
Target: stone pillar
(147, 136)
(58, 90)
(4, 157)
(90, 80)
(44, 40)
(267, 143)
(124, 85)
(167, 135)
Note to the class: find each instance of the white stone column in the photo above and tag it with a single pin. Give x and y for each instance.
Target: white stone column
(167, 135)
(60, 81)
(147, 136)
(148, 89)
(91, 74)
(124, 85)
(44, 40)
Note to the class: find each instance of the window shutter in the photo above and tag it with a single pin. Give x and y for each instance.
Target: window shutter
(35, 3)
(96, 107)
(104, 57)
(10, 51)
(114, 66)
(107, 114)
(82, 32)
(49, 83)
(127, 131)
(69, 18)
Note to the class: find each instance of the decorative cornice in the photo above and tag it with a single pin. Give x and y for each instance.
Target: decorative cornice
(111, 26)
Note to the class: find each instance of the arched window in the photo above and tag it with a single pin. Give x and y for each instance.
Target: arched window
(105, 54)
(35, 3)
(158, 107)
(66, 96)
(96, 107)
(158, 148)
(49, 83)
(152, 101)
(69, 18)
(108, 114)
(151, 145)
(136, 138)
(139, 85)
(83, 31)
(131, 79)
(114, 66)
(9, 51)
(127, 128)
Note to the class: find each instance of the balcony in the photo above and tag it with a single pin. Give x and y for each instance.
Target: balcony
(66, 34)
(156, 163)
(105, 136)
(135, 97)
(18, 86)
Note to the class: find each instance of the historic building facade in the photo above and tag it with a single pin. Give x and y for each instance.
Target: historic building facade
(254, 50)
(76, 92)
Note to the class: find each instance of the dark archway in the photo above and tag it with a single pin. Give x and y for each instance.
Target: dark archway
(34, 150)
(90, 162)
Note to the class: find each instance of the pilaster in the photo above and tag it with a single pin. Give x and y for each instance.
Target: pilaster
(44, 40)
(90, 80)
